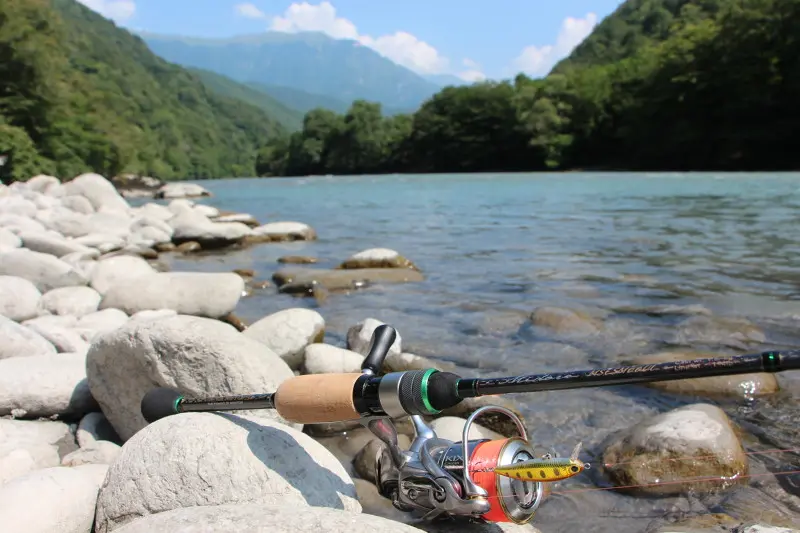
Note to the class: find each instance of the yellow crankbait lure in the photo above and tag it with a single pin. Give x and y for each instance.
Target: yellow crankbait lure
(545, 469)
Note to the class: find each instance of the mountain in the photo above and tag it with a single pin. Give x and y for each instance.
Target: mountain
(312, 62)
(289, 116)
(79, 94)
(300, 100)
(304, 102)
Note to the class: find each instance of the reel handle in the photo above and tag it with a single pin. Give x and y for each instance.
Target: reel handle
(382, 339)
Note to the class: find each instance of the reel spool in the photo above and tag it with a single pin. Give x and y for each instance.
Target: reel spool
(435, 479)
(511, 500)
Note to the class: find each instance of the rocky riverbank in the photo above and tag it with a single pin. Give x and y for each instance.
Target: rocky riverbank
(90, 319)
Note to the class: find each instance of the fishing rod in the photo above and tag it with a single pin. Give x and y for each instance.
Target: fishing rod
(489, 480)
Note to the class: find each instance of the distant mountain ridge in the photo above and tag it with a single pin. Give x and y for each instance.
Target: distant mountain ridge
(342, 70)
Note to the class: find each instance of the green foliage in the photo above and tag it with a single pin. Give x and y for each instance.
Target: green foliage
(288, 116)
(660, 85)
(91, 96)
(22, 160)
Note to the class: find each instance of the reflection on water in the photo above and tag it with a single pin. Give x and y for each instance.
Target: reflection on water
(619, 246)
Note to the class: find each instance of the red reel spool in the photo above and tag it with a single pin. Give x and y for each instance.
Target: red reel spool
(511, 500)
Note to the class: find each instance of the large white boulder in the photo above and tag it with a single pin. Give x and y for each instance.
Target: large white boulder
(195, 459)
(52, 500)
(212, 295)
(198, 356)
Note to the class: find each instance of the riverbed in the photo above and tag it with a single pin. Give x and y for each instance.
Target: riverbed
(646, 254)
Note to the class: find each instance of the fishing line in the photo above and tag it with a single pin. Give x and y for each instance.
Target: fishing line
(698, 457)
(686, 481)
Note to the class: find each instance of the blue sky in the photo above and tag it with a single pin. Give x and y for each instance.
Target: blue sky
(469, 38)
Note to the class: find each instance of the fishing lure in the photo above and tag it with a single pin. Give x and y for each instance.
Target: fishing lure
(546, 469)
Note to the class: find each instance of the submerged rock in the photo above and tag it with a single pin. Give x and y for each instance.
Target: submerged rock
(565, 321)
(736, 333)
(743, 385)
(693, 448)
(189, 247)
(198, 459)
(305, 279)
(298, 260)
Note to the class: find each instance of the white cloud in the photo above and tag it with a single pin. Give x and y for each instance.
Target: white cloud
(405, 49)
(474, 72)
(538, 60)
(472, 75)
(250, 11)
(117, 10)
(401, 47)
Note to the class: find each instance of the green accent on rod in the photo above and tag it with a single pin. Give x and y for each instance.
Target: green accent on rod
(177, 404)
(424, 391)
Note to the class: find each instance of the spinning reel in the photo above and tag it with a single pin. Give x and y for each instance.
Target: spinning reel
(436, 476)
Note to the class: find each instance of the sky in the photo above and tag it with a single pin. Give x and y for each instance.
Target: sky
(471, 39)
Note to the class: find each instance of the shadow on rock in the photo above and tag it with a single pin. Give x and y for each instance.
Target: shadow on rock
(291, 466)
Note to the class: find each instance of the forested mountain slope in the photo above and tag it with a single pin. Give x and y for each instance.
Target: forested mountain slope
(78, 93)
(636, 24)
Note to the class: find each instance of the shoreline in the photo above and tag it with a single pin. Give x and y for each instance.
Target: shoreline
(136, 327)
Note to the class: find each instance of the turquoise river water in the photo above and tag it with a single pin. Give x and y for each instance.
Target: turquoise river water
(618, 246)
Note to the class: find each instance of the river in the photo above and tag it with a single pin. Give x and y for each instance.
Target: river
(493, 247)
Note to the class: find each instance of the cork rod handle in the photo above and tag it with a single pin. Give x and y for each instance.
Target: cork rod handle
(317, 398)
